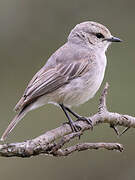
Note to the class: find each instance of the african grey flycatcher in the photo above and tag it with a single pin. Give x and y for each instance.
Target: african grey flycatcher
(71, 76)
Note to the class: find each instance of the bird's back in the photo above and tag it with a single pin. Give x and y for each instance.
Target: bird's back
(68, 53)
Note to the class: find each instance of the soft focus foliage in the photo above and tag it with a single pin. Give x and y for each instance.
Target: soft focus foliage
(30, 31)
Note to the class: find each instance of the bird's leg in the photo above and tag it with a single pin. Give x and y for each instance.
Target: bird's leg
(79, 117)
(73, 113)
(74, 127)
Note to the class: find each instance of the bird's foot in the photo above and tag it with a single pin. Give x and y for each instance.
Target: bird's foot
(74, 126)
(88, 120)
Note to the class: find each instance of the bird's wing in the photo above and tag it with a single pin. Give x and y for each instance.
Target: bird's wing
(48, 80)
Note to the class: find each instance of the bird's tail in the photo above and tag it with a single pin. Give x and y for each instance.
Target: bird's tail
(13, 123)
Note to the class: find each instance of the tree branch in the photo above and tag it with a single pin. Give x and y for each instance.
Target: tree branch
(45, 144)
(86, 146)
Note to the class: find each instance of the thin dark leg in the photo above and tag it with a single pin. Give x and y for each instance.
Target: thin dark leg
(74, 127)
(79, 117)
(73, 113)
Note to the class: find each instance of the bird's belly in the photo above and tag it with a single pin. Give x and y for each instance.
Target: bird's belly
(82, 89)
(77, 91)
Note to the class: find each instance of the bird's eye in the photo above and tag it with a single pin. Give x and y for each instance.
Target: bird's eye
(99, 35)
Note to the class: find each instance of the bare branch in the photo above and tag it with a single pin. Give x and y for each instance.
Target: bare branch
(46, 143)
(89, 146)
(102, 101)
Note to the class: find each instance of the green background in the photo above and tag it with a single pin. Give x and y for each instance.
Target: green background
(30, 31)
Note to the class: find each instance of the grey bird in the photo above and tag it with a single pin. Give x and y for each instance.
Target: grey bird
(71, 76)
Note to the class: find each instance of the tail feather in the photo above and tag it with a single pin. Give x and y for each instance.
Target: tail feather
(13, 123)
(19, 105)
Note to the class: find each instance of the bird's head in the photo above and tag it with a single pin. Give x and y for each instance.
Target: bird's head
(92, 34)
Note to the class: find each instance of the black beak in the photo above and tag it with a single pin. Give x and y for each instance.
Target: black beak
(113, 39)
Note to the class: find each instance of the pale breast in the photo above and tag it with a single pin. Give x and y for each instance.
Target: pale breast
(78, 90)
(84, 88)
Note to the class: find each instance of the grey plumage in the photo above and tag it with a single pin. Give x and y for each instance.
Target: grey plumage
(71, 76)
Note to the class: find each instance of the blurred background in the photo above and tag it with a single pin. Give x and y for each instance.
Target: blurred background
(30, 31)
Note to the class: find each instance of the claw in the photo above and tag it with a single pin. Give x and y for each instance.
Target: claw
(74, 127)
(88, 120)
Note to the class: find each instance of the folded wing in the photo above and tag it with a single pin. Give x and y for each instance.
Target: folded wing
(48, 80)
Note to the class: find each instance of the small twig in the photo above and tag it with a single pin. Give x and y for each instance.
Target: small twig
(115, 129)
(102, 101)
(65, 140)
(125, 130)
(89, 146)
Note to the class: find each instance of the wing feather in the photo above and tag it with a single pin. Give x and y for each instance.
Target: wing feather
(48, 80)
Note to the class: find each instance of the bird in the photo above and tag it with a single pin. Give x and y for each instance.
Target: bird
(71, 76)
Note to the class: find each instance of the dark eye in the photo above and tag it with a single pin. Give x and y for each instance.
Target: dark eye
(99, 35)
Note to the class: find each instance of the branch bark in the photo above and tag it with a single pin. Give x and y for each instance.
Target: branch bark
(46, 143)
